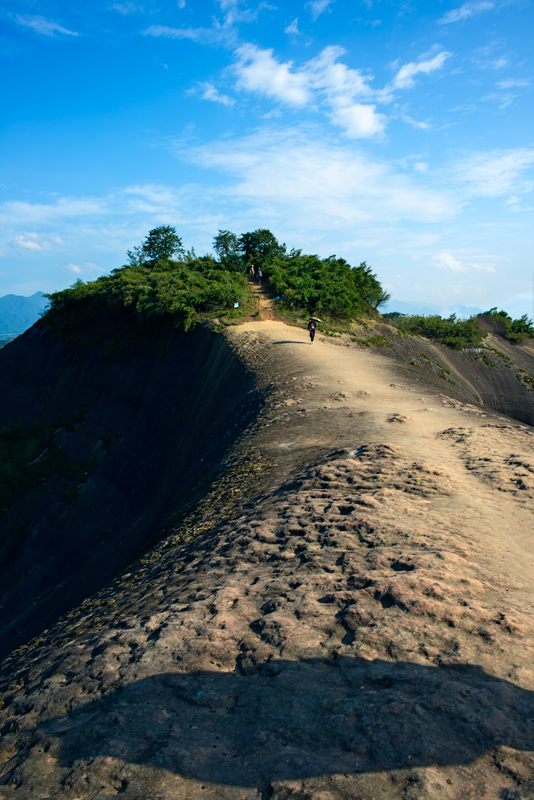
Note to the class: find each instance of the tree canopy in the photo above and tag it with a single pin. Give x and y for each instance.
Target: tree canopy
(165, 287)
(161, 243)
(259, 247)
(326, 285)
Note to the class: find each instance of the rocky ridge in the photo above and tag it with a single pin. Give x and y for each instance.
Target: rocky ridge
(355, 620)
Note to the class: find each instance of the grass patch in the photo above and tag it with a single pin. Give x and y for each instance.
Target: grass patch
(526, 379)
(378, 341)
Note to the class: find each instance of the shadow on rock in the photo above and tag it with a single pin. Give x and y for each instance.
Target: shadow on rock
(297, 719)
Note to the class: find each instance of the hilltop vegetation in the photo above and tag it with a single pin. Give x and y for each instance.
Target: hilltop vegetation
(460, 334)
(165, 287)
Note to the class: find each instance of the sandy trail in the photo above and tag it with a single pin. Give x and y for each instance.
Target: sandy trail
(358, 623)
(368, 385)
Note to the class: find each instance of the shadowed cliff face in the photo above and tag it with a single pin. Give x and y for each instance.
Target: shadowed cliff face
(146, 432)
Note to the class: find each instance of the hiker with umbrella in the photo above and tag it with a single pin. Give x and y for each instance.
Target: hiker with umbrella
(312, 325)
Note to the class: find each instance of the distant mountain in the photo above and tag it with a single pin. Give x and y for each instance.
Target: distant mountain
(410, 308)
(429, 309)
(18, 313)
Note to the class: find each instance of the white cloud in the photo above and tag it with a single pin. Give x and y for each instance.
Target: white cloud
(499, 63)
(298, 176)
(512, 83)
(483, 267)
(32, 242)
(447, 261)
(126, 8)
(16, 212)
(416, 123)
(504, 100)
(293, 28)
(326, 73)
(181, 3)
(496, 173)
(220, 33)
(420, 166)
(317, 7)
(323, 78)
(404, 79)
(358, 121)
(258, 71)
(465, 11)
(42, 25)
(213, 94)
(85, 269)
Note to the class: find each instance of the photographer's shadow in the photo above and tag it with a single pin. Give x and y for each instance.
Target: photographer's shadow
(297, 719)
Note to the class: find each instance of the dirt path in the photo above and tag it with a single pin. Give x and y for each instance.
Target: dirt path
(263, 300)
(487, 493)
(360, 625)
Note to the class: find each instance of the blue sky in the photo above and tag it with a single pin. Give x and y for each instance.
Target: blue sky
(399, 133)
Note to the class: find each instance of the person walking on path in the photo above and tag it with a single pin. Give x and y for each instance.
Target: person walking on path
(260, 275)
(251, 271)
(311, 327)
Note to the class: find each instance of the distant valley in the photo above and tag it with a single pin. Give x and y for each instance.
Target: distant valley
(18, 313)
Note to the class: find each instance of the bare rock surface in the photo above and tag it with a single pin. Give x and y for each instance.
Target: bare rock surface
(357, 622)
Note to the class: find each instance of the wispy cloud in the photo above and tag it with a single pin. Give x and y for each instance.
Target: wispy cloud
(317, 7)
(299, 176)
(447, 261)
(513, 83)
(42, 25)
(424, 126)
(495, 173)
(218, 34)
(34, 243)
(126, 8)
(405, 78)
(465, 11)
(209, 92)
(504, 100)
(86, 268)
(293, 28)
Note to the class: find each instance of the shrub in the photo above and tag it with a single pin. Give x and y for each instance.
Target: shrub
(515, 330)
(457, 334)
(328, 286)
(165, 296)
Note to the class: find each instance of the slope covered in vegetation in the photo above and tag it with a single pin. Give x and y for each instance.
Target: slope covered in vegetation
(166, 288)
(467, 333)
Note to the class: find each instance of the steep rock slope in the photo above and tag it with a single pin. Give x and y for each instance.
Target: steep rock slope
(143, 432)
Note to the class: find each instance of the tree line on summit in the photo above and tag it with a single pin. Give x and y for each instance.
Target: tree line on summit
(165, 287)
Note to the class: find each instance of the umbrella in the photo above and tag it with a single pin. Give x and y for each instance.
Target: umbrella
(316, 319)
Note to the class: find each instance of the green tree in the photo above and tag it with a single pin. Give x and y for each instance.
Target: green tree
(368, 287)
(161, 243)
(259, 247)
(226, 245)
